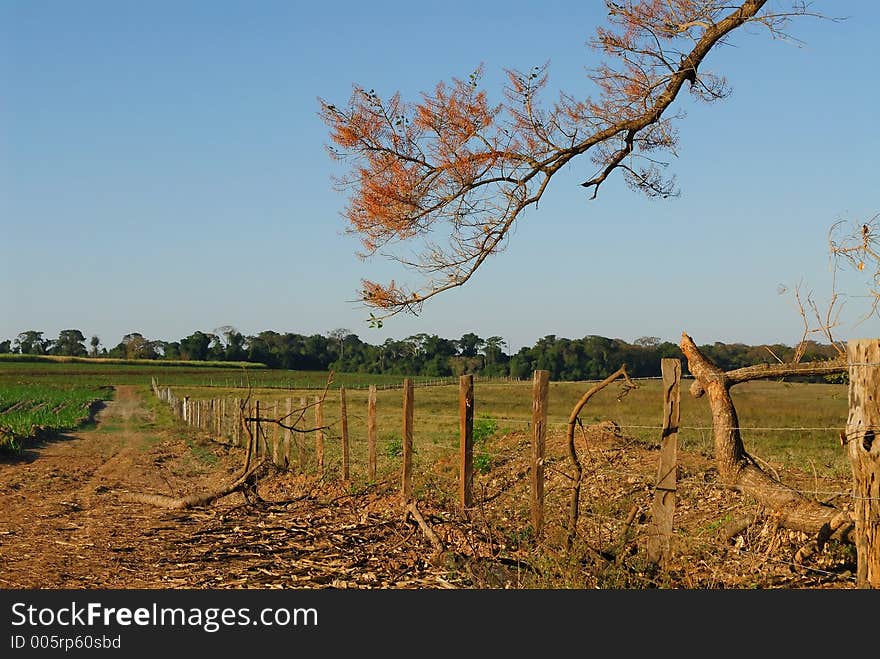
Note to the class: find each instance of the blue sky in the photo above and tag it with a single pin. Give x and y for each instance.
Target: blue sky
(162, 170)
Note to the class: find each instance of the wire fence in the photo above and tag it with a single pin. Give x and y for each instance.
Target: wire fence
(501, 475)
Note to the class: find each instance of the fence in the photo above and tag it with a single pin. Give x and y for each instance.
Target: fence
(324, 438)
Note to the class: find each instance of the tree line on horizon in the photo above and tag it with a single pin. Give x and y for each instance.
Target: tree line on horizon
(587, 358)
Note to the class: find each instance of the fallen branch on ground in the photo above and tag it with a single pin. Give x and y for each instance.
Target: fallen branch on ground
(199, 499)
(433, 538)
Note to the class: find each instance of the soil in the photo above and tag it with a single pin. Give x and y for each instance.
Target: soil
(70, 519)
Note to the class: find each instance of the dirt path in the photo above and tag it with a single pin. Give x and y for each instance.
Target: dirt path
(66, 523)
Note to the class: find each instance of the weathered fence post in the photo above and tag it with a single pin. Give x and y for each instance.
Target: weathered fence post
(371, 433)
(300, 441)
(186, 409)
(319, 436)
(540, 392)
(406, 489)
(663, 506)
(258, 445)
(343, 415)
(277, 453)
(289, 434)
(862, 428)
(466, 441)
(236, 426)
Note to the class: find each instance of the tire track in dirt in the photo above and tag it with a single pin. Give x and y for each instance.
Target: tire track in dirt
(61, 526)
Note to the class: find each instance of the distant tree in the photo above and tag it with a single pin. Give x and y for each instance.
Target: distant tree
(339, 335)
(522, 364)
(70, 342)
(233, 343)
(5, 347)
(492, 349)
(31, 342)
(94, 342)
(135, 346)
(263, 348)
(171, 350)
(469, 345)
(195, 346)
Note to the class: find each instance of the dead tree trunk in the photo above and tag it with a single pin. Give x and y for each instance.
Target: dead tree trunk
(739, 470)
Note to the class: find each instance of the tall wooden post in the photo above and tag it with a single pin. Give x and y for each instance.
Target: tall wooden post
(663, 506)
(406, 489)
(236, 424)
(288, 434)
(258, 444)
(346, 453)
(301, 454)
(862, 428)
(466, 441)
(277, 453)
(540, 393)
(319, 436)
(371, 433)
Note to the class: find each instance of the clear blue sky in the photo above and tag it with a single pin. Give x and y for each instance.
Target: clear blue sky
(162, 170)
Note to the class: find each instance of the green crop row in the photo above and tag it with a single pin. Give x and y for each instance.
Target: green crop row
(26, 409)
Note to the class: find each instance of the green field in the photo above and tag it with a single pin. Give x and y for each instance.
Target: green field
(105, 372)
(8, 358)
(25, 409)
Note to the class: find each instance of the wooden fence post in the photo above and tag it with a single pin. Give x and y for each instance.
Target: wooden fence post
(371, 433)
(277, 453)
(540, 393)
(289, 434)
(236, 425)
(346, 453)
(319, 436)
(863, 356)
(466, 441)
(663, 506)
(258, 445)
(301, 441)
(406, 489)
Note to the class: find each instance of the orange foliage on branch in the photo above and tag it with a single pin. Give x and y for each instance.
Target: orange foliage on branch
(453, 172)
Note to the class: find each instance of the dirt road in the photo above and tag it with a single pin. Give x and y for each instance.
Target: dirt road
(66, 522)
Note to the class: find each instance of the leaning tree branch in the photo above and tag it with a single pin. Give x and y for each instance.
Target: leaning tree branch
(739, 470)
(457, 161)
